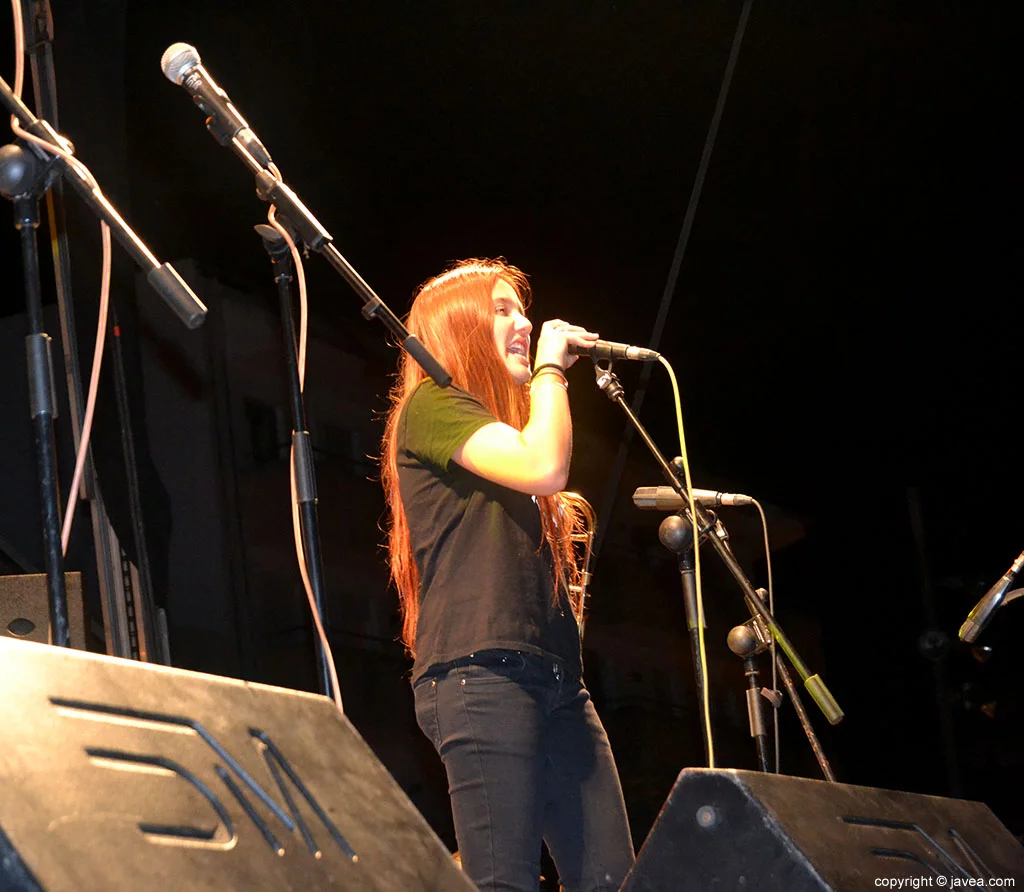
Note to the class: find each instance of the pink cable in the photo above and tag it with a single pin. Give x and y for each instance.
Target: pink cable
(296, 522)
(101, 331)
(90, 404)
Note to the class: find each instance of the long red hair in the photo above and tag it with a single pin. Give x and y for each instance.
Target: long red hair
(453, 316)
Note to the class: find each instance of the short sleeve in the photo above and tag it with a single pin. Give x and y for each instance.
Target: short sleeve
(436, 421)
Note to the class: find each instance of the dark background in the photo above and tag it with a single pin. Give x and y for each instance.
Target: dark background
(844, 325)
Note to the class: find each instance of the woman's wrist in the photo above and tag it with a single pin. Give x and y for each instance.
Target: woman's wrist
(553, 368)
(550, 372)
(552, 379)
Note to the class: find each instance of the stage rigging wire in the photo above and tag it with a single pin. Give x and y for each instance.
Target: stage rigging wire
(615, 480)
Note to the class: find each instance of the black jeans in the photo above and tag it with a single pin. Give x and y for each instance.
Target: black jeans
(527, 758)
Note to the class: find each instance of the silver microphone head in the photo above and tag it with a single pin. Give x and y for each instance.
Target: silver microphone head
(178, 60)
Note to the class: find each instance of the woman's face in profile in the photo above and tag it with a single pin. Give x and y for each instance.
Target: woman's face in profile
(511, 331)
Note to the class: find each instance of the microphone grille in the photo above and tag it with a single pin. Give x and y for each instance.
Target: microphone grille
(178, 60)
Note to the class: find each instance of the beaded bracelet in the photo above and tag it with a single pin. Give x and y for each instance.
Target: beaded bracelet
(554, 379)
(548, 366)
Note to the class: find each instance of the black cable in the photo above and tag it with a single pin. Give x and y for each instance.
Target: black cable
(611, 489)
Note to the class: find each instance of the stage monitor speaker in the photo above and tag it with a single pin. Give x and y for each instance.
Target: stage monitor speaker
(25, 608)
(723, 829)
(119, 775)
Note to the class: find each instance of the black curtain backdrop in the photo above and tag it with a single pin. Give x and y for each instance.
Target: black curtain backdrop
(843, 328)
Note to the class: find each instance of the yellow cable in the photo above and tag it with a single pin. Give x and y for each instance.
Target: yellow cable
(706, 705)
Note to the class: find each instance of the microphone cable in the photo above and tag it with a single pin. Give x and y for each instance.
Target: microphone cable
(615, 478)
(706, 702)
(705, 705)
(81, 170)
(300, 553)
(101, 329)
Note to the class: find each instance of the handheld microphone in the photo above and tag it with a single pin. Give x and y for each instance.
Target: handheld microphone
(181, 64)
(613, 350)
(992, 600)
(665, 498)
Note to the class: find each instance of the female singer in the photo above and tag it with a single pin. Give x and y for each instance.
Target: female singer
(483, 561)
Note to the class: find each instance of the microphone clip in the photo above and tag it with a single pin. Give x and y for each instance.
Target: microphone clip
(607, 380)
(218, 130)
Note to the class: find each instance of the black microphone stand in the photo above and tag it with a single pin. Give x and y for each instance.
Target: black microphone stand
(305, 475)
(23, 179)
(805, 721)
(705, 526)
(751, 638)
(676, 534)
(163, 278)
(270, 187)
(291, 212)
(26, 172)
(744, 643)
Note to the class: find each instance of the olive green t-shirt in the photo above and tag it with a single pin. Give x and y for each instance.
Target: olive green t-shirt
(485, 568)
